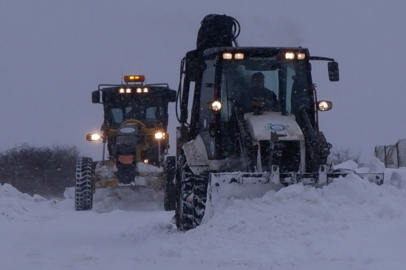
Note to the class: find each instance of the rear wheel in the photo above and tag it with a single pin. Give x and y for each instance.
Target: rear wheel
(84, 184)
(190, 198)
(170, 196)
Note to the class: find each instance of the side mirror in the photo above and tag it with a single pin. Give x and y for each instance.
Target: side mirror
(96, 96)
(333, 73)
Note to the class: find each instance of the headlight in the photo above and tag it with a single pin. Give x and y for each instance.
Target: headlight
(159, 135)
(324, 105)
(93, 137)
(214, 105)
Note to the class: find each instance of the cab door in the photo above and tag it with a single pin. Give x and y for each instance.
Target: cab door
(206, 117)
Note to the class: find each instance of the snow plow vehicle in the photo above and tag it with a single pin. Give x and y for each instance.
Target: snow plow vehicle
(135, 131)
(248, 121)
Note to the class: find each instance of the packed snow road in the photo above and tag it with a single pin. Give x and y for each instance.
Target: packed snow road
(350, 224)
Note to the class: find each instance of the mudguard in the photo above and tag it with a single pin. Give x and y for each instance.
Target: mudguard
(196, 155)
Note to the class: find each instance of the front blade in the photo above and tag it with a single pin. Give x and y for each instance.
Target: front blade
(225, 187)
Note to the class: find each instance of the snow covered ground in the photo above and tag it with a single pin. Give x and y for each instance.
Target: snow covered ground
(350, 224)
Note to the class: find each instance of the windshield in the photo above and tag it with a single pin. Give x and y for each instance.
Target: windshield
(149, 111)
(265, 82)
(148, 115)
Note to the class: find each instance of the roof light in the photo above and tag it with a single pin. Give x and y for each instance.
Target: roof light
(227, 56)
(239, 56)
(139, 90)
(289, 55)
(134, 78)
(145, 90)
(128, 90)
(301, 56)
(121, 90)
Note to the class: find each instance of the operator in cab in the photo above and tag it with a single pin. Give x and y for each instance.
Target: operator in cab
(258, 94)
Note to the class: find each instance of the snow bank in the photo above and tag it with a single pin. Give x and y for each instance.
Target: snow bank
(15, 205)
(297, 223)
(349, 224)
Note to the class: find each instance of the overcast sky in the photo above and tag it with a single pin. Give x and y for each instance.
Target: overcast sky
(53, 54)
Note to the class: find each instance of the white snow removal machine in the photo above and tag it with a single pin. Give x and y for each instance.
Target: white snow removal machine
(248, 121)
(135, 131)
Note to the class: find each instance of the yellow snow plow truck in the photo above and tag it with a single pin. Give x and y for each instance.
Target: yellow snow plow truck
(135, 131)
(252, 124)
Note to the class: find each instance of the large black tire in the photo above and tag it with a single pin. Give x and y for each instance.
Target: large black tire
(191, 197)
(170, 190)
(84, 184)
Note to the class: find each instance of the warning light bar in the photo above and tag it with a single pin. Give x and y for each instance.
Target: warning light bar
(134, 78)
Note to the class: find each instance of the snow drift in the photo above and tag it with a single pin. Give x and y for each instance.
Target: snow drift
(350, 224)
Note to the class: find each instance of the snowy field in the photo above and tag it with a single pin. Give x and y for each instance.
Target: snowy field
(350, 224)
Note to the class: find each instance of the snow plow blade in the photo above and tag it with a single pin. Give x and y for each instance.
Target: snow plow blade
(148, 176)
(239, 185)
(224, 187)
(377, 178)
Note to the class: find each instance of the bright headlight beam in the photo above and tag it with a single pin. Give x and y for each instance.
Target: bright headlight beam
(216, 106)
(324, 105)
(159, 135)
(95, 137)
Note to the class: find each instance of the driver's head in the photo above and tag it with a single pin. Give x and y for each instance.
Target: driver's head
(258, 79)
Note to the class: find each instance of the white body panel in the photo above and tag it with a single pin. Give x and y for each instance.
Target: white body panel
(261, 126)
(285, 126)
